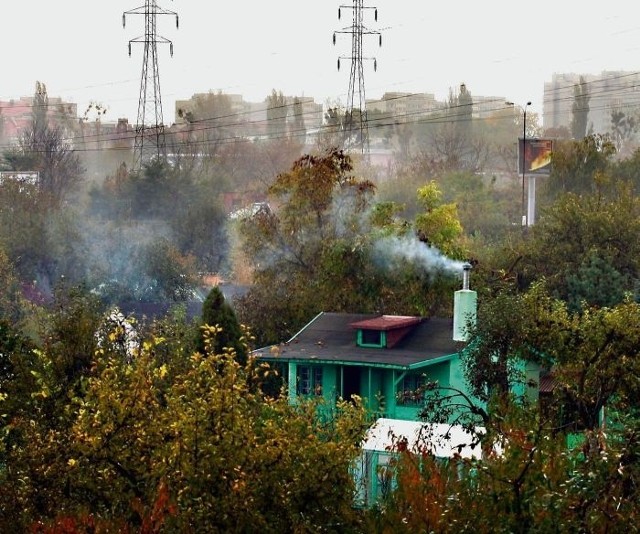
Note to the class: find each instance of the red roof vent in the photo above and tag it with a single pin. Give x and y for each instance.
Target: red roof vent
(386, 322)
(394, 326)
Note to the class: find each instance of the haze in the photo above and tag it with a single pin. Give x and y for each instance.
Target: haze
(79, 49)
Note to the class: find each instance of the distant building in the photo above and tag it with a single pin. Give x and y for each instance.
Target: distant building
(486, 106)
(16, 115)
(238, 106)
(405, 107)
(249, 119)
(609, 91)
(99, 135)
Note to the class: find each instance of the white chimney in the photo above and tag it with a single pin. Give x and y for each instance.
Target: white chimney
(465, 303)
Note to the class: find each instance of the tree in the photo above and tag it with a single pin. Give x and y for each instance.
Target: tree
(531, 476)
(596, 282)
(42, 243)
(438, 225)
(503, 337)
(12, 303)
(171, 275)
(318, 199)
(217, 313)
(592, 353)
(595, 359)
(179, 444)
(623, 127)
(575, 231)
(452, 143)
(277, 111)
(464, 111)
(43, 148)
(576, 165)
(198, 228)
(317, 210)
(324, 246)
(299, 129)
(580, 109)
(514, 486)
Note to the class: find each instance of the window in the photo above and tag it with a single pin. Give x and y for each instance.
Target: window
(411, 391)
(309, 380)
(371, 338)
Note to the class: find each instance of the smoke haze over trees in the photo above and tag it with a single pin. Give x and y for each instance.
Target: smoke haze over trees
(93, 433)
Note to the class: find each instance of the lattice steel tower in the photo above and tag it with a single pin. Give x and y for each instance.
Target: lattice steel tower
(356, 130)
(150, 141)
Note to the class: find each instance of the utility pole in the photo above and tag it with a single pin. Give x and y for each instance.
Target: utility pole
(527, 216)
(150, 141)
(356, 110)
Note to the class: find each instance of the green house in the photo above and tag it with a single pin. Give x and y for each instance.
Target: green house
(386, 360)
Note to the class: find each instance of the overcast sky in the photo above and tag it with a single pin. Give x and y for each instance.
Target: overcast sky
(78, 48)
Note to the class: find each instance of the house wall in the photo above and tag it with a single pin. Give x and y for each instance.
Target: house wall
(371, 386)
(378, 387)
(330, 385)
(374, 477)
(456, 375)
(531, 374)
(440, 372)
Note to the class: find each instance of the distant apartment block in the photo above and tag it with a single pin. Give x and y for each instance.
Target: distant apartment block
(609, 91)
(249, 119)
(99, 135)
(404, 107)
(407, 107)
(486, 106)
(16, 115)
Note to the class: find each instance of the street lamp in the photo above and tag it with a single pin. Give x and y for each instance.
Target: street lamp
(524, 145)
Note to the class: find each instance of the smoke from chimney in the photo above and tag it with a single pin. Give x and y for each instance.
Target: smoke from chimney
(390, 249)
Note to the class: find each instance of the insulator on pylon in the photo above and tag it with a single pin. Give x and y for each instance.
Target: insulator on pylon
(177, 22)
(171, 49)
(334, 38)
(375, 65)
(375, 14)
(129, 49)
(338, 63)
(339, 14)
(380, 40)
(123, 20)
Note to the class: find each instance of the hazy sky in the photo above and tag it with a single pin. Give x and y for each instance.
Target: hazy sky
(78, 48)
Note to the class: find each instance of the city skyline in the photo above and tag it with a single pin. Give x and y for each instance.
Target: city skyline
(496, 50)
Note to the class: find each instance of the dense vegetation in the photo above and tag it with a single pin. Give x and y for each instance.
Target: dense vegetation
(112, 424)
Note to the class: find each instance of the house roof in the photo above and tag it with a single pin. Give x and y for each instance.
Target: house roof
(331, 338)
(547, 384)
(442, 440)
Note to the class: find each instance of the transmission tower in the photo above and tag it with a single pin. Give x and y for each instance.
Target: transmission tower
(356, 131)
(150, 141)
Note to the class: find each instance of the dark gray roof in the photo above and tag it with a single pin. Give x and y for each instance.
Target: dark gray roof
(330, 338)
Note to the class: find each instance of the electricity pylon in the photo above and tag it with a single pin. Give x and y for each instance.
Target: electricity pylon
(150, 141)
(355, 128)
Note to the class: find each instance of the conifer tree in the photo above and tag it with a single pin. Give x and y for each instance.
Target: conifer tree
(217, 312)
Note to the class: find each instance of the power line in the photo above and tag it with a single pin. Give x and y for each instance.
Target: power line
(412, 117)
(150, 140)
(356, 118)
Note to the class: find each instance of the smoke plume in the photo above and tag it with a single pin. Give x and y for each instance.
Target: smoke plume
(390, 250)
